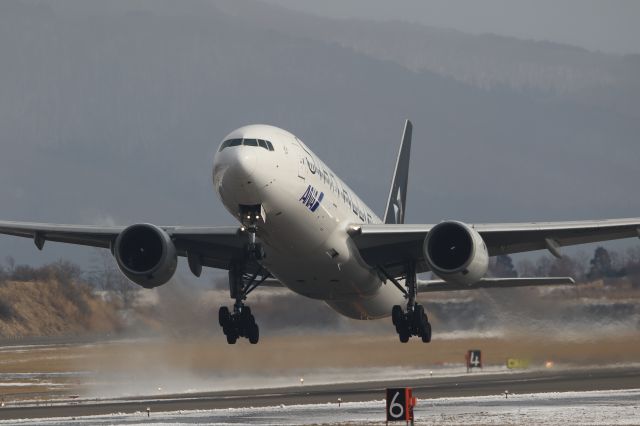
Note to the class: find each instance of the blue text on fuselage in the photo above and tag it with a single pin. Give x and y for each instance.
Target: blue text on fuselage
(311, 198)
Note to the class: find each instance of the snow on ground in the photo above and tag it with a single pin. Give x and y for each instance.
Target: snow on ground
(121, 385)
(615, 407)
(117, 387)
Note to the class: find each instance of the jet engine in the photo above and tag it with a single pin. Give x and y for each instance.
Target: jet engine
(146, 255)
(455, 252)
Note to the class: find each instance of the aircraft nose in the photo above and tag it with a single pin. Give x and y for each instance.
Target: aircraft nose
(233, 175)
(242, 164)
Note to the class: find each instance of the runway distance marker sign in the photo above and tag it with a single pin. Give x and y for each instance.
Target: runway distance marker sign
(400, 403)
(474, 359)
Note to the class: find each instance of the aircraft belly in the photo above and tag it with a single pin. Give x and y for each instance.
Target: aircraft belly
(317, 262)
(309, 251)
(344, 282)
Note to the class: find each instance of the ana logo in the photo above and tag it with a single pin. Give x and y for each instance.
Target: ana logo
(311, 199)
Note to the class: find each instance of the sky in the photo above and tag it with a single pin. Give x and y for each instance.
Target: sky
(606, 25)
(110, 113)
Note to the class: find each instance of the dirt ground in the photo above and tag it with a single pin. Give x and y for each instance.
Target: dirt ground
(63, 370)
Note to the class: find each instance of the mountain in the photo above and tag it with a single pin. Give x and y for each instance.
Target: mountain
(112, 112)
(487, 61)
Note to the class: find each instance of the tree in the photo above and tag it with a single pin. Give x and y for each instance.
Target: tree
(543, 266)
(502, 267)
(107, 276)
(632, 265)
(526, 268)
(64, 271)
(602, 266)
(11, 263)
(565, 266)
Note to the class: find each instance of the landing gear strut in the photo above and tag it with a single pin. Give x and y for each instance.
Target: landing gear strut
(414, 321)
(242, 281)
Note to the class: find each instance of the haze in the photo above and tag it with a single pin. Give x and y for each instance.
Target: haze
(112, 112)
(608, 26)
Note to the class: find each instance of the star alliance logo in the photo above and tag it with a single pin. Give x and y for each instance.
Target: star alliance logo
(311, 199)
(397, 207)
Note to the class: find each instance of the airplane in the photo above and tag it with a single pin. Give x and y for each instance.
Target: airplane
(301, 227)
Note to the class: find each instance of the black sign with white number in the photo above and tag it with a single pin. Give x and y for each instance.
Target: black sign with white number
(399, 404)
(474, 359)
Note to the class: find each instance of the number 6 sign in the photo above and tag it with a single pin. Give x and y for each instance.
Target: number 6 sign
(400, 404)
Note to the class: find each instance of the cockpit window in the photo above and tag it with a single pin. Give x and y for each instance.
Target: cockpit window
(247, 142)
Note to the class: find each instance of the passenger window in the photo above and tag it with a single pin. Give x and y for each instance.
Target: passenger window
(250, 142)
(269, 145)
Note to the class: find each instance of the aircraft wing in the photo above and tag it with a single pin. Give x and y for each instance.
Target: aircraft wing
(215, 246)
(391, 245)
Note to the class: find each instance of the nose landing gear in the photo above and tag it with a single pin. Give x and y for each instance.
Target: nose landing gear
(245, 276)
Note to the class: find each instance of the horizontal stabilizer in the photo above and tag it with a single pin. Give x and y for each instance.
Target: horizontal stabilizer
(440, 285)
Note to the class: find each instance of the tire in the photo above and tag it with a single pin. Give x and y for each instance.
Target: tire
(404, 336)
(418, 316)
(254, 334)
(232, 338)
(426, 333)
(223, 316)
(396, 315)
(245, 314)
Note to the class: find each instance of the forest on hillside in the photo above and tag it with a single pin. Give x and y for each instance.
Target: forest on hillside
(62, 298)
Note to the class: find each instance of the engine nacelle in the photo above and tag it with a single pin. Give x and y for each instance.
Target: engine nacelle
(146, 255)
(455, 252)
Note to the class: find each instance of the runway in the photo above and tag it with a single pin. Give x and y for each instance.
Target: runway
(425, 388)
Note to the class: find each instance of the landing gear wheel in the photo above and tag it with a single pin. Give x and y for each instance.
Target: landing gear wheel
(418, 317)
(245, 314)
(426, 334)
(224, 317)
(232, 338)
(254, 333)
(414, 322)
(396, 314)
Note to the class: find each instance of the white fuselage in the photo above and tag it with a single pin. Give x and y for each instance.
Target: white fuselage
(307, 210)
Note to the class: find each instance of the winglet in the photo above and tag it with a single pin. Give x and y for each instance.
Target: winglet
(394, 213)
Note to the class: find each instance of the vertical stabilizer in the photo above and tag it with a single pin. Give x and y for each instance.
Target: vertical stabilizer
(394, 213)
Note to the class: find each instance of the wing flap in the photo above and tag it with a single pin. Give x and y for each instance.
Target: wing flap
(439, 285)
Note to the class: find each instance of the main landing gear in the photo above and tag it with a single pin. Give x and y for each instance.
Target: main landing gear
(244, 277)
(414, 321)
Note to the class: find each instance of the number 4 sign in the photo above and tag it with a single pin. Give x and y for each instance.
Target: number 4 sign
(400, 404)
(474, 359)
